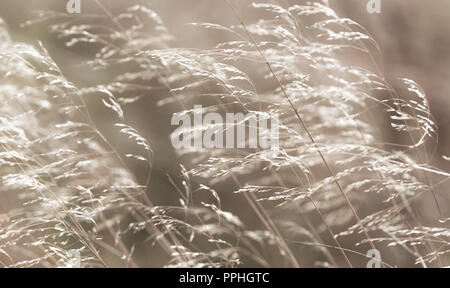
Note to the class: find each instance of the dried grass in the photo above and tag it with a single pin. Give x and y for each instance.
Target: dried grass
(332, 185)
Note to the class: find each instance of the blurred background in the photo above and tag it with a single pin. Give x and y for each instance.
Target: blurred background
(414, 37)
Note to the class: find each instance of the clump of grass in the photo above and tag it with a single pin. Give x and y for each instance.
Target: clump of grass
(333, 184)
(67, 193)
(62, 184)
(331, 156)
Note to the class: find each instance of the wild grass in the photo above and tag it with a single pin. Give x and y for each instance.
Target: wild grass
(333, 189)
